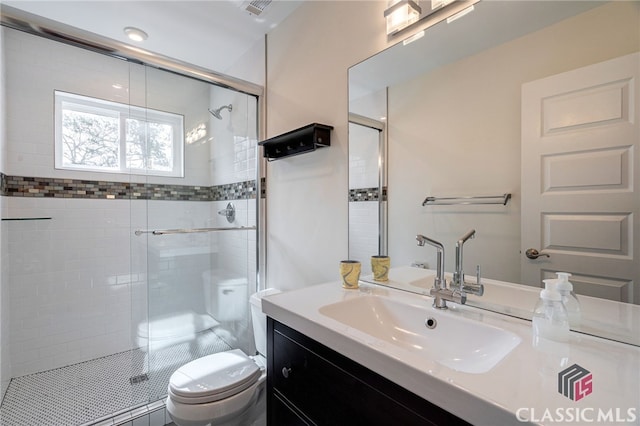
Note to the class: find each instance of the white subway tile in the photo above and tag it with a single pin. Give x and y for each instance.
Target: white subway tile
(77, 271)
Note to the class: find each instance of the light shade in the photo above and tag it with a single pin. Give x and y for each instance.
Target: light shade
(401, 14)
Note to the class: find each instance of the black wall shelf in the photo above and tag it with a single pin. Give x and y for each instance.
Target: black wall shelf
(299, 141)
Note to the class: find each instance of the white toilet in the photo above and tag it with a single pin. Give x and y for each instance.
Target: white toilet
(227, 388)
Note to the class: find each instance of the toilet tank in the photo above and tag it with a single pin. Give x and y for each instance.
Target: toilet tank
(225, 299)
(259, 319)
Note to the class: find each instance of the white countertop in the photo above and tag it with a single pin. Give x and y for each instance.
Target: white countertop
(523, 386)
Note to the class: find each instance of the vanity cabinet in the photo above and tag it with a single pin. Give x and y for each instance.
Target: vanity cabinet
(311, 384)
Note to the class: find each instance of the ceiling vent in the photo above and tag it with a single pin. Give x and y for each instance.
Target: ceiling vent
(256, 7)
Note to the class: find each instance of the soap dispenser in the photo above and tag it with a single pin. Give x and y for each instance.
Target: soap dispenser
(569, 299)
(550, 318)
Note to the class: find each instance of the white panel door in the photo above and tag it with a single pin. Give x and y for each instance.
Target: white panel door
(580, 178)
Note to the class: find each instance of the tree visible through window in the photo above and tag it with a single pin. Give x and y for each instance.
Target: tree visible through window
(90, 140)
(97, 135)
(149, 145)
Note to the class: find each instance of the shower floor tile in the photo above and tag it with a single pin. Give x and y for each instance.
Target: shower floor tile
(83, 392)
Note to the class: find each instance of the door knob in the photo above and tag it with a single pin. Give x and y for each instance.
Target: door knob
(534, 254)
(286, 371)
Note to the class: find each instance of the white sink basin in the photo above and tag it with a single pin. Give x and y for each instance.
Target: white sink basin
(455, 342)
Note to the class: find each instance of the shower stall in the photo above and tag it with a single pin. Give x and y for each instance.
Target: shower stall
(129, 230)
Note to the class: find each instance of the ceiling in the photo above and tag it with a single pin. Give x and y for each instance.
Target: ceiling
(213, 34)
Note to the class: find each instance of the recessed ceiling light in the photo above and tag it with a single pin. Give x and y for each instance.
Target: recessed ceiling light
(135, 34)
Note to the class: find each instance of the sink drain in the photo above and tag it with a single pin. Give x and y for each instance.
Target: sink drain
(430, 323)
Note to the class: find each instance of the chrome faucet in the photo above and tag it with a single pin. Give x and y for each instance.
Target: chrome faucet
(440, 292)
(440, 281)
(458, 281)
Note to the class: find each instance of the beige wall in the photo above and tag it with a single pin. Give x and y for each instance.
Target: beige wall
(307, 206)
(308, 59)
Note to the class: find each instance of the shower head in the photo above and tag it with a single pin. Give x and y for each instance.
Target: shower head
(216, 112)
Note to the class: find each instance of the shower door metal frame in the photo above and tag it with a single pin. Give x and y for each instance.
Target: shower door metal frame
(52, 30)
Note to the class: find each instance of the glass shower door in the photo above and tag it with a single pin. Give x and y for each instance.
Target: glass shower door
(199, 231)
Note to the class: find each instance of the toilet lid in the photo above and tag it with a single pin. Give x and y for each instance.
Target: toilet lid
(213, 377)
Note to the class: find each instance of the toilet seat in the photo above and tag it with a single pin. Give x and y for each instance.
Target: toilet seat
(213, 378)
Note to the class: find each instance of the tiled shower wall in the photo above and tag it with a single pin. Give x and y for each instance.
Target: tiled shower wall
(81, 283)
(36, 67)
(78, 282)
(70, 281)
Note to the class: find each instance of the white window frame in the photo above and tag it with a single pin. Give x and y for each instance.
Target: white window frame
(70, 101)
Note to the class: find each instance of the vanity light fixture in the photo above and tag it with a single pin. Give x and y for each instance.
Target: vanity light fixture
(135, 34)
(400, 14)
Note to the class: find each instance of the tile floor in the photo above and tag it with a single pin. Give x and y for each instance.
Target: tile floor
(80, 394)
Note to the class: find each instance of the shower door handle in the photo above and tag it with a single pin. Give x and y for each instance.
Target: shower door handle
(192, 231)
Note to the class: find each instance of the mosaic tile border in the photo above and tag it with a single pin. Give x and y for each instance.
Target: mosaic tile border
(24, 186)
(367, 194)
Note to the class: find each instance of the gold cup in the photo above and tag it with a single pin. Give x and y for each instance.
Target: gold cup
(380, 267)
(350, 273)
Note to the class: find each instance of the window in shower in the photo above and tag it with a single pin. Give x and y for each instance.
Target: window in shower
(98, 135)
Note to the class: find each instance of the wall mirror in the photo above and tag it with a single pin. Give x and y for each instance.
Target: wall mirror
(538, 100)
